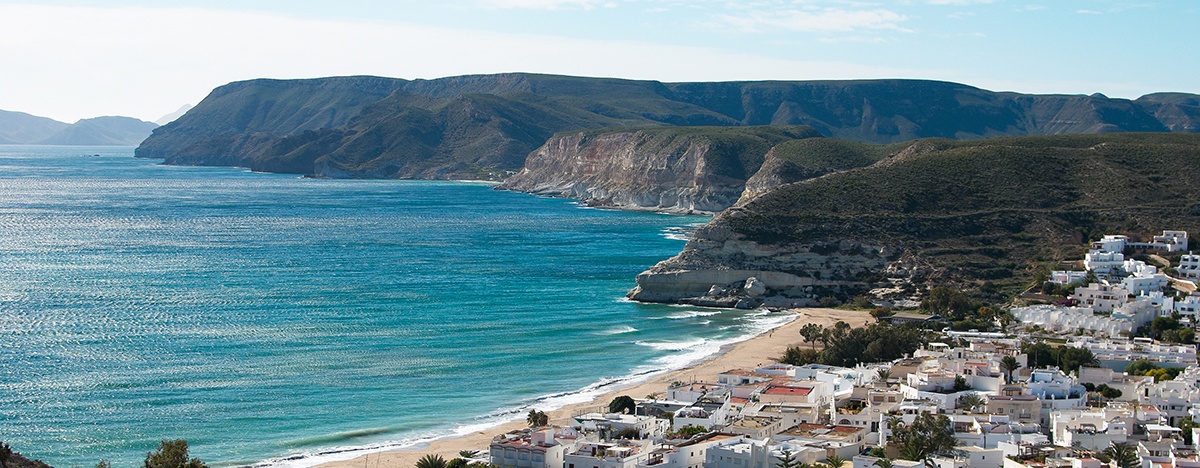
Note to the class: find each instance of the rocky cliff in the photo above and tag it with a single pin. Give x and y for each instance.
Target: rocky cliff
(936, 212)
(672, 169)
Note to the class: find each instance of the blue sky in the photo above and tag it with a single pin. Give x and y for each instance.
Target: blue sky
(74, 59)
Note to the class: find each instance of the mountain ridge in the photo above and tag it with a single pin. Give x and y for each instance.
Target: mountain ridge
(20, 128)
(484, 126)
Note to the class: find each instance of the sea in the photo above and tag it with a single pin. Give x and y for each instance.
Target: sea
(275, 320)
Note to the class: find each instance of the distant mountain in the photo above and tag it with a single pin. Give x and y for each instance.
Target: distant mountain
(19, 128)
(166, 119)
(102, 131)
(484, 126)
(22, 128)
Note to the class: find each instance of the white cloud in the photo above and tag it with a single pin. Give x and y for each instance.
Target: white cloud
(821, 21)
(73, 62)
(1089, 12)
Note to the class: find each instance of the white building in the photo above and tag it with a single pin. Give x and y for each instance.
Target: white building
(1189, 266)
(623, 454)
(1171, 241)
(1101, 297)
(1070, 319)
(1143, 283)
(1092, 429)
(1110, 243)
(1102, 262)
(1065, 277)
(1189, 306)
(1122, 350)
(538, 449)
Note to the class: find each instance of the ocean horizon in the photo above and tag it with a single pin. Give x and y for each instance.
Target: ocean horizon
(276, 320)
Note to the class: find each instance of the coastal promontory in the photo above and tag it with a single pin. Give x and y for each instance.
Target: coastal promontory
(970, 213)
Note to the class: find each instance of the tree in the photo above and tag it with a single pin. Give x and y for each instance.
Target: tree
(622, 404)
(1071, 359)
(883, 463)
(835, 461)
(431, 461)
(948, 302)
(970, 402)
(537, 418)
(1124, 456)
(691, 430)
(787, 460)
(929, 434)
(172, 454)
(456, 463)
(1010, 365)
(883, 374)
(467, 453)
(811, 333)
(960, 383)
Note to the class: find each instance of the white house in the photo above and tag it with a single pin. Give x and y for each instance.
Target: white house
(1065, 277)
(1102, 262)
(1110, 243)
(1101, 297)
(1189, 266)
(538, 449)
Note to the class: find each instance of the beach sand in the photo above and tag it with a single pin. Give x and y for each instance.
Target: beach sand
(748, 354)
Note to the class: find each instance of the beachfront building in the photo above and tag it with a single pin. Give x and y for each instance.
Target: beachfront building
(609, 425)
(543, 448)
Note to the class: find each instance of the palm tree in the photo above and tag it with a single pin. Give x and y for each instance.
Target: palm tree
(883, 463)
(883, 374)
(970, 402)
(1010, 365)
(431, 461)
(835, 461)
(1125, 456)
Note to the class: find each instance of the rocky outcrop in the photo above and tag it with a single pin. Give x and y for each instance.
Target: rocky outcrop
(680, 170)
(722, 268)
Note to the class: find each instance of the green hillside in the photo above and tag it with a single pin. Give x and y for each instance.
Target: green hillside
(981, 211)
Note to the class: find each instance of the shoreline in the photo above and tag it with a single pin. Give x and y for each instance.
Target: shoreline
(752, 352)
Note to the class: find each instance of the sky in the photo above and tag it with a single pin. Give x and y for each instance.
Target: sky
(77, 59)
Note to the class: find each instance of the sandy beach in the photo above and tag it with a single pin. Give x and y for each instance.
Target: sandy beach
(747, 354)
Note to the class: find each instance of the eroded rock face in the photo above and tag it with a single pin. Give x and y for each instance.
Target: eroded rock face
(662, 169)
(747, 272)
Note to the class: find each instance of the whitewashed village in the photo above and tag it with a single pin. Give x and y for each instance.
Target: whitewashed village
(1101, 372)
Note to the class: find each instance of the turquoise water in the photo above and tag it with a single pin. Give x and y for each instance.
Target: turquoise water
(263, 316)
